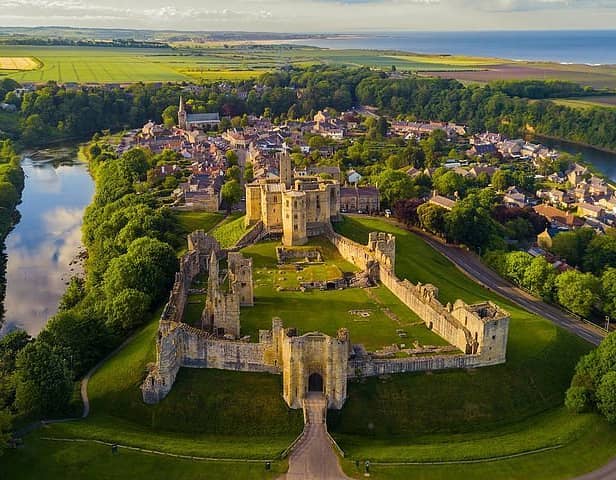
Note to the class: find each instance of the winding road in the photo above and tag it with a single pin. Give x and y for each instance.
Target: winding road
(471, 265)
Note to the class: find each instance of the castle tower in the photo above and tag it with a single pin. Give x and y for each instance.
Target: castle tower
(240, 278)
(286, 172)
(212, 299)
(182, 116)
(294, 218)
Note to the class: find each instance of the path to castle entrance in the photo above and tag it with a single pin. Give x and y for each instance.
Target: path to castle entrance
(313, 458)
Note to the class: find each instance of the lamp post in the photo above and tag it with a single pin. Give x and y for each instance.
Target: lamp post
(607, 323)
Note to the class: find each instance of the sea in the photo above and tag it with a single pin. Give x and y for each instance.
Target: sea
(591, 47)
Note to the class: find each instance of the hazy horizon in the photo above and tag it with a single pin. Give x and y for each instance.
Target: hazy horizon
(315, 16)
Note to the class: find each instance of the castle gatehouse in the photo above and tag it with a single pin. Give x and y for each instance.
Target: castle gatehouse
(313, 361)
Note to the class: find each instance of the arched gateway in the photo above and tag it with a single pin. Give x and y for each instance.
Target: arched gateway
(315, 383)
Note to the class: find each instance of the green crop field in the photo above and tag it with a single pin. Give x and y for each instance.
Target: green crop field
(239, 62)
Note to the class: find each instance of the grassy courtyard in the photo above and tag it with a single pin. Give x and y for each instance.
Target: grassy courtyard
(383, 313)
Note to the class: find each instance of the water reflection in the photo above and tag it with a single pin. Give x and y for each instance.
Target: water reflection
(44, 244)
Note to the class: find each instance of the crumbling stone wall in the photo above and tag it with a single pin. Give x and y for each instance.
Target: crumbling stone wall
(480, 329)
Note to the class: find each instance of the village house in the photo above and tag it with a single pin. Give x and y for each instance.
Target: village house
(359, 199)
(201, 192)
(590, 210)
(556, 197)
(442, 201)
(558, 218)
(577, 174)
(514, 198)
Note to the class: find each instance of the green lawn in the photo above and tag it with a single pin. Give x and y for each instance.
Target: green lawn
(51, 460)
(191, 221)
(230, 231)
(593, 449)
(334, 311)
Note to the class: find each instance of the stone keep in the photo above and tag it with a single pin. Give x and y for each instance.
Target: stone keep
(294, 219)
(317, 205)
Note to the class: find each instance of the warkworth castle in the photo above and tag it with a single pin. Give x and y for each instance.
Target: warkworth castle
(296, 208)
(293, 210)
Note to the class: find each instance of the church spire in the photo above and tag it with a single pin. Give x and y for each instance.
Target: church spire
(182, 117)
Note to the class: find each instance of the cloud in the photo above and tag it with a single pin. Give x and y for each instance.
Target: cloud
(312, 15)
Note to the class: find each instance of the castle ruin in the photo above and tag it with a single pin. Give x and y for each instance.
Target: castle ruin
(313, 361)
(295, 208)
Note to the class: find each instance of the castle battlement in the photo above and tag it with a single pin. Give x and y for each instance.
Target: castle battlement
(313, 361)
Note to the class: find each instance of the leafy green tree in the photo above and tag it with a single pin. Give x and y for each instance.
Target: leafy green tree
(578, 399)
(517, 263)
(5, 428)
(248, 173)
(395, 185)
(233, 173)
(600, 254)
(470, 223)
(501, 180)
(44, 384)
(170, 116)
(149, 266)
(127, 310)
(231, 194)
(540, 278)
(80, 338)
(449, 183)
(579, 292)
(73, 294)
(572, 245)
(608, 291)
(432, 218)
(606, 396)
(231, 157)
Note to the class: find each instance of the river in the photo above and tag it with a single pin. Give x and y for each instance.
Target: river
(605, 162)
(42, 248)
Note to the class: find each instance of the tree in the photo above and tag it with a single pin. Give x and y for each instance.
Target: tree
(449, 183)
(432, 218)
(5, 428)
(578, 399)
(233, 173)
(73, 294)
(231, 194)
(606, 396)
(470, 223)
(608, 291)
(572, 245)
(406, 211)
(540, 277)
(127, 310)
(578, 291)
(395, 185)
(248, 173)
(44, 384)
(517, 263)
(600, 254)
(81, 338)
(170, 116)
(501, 180)
(231, 157)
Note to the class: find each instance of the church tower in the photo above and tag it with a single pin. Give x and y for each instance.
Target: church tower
(182, 114)
(286, 172)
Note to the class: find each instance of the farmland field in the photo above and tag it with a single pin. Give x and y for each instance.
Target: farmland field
(601, 77)
(17, 63)
(608, 101)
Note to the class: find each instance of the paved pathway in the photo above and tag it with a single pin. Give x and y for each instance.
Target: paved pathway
(313, 458)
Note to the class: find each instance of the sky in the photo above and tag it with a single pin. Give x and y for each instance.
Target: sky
(314, 15)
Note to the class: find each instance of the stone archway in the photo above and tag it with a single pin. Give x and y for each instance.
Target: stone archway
(315, 382)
